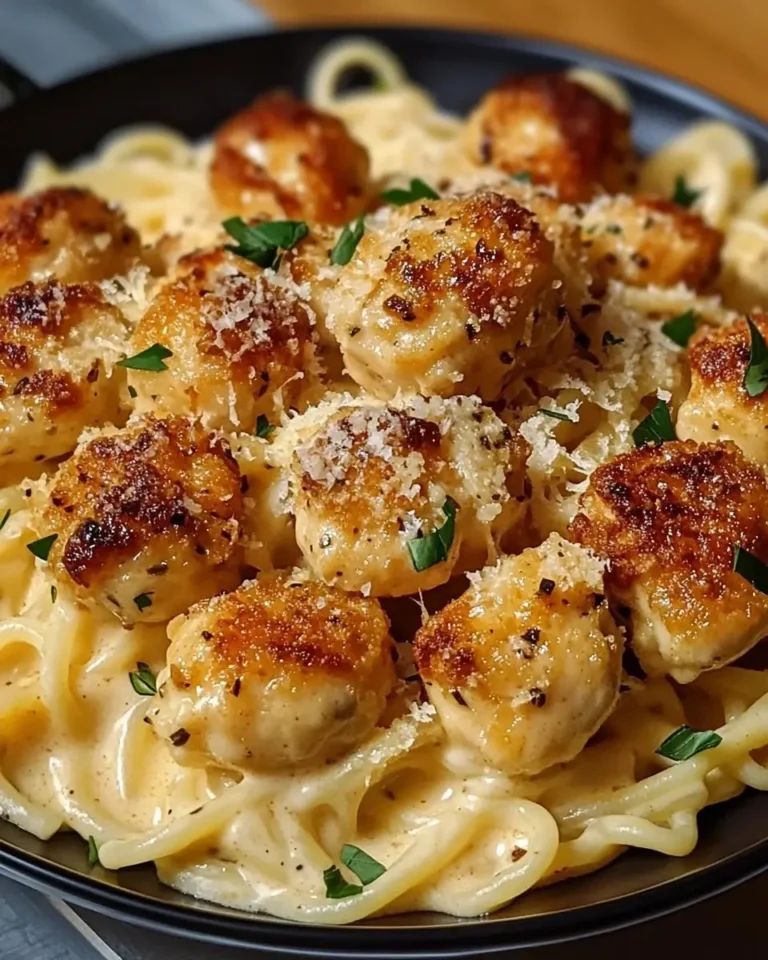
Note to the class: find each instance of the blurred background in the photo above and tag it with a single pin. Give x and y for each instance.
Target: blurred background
(718, 44)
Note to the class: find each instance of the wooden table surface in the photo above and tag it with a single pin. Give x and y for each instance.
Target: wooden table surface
(718, 44)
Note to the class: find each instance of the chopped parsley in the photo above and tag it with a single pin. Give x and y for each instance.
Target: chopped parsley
(93, 852)
(362, 864)
(610, 341)
(427, 551)
(418, 190)
(683, 195)
(262, 244)
(151, 359)
(522, 177)
(753, 570)
(5, 518)
(143, 600)
(656, 428)
(685, 743)
(263, 426)
(54, 593)
(613, 228)
(555, 414)
(132, 392)
(680, 329)
(42, 547)
(143, 680)
(347, 243)
(756, 374)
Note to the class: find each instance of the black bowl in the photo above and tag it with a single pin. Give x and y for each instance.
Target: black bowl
(194, 90)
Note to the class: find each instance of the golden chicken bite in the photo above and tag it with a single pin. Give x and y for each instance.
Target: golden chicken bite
(645, 241)
(279, 674)
(147, 519)
(450, 296)
(281, 157)
(63, 232)
(237, 335)
(556, 131)
(525, 666)
(668, 519)
(58, 347)
(718, 406)
(390, 500)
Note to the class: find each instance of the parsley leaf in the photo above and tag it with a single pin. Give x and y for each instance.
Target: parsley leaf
(42, 547)
(347, 243)
(656, 428)
(143, 600)
(150, 359)
(362, 864)
(685, 743)
(680, 329)
(613, 228)
(418, 190)
(751, 568)
(54, 593)
(263, 426)
(143, 680)
(93, 852)
(262, 244)
(132, 392)
(555, 414)
(683, 195)
(522, 177)
(427, 551)
(336, 887)
(756, 374)
(610, 341)
(5, 518)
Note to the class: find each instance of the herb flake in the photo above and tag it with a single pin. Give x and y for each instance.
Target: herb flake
(152, 359)
(54, 593)
(5, 518)
(336, 887)
(656, 428)
(683, 195)
(42, 547)
(753, 570)
(93, 852)
(609, 340)
(263, 426)
(685, 743)
(756, 374)
(348, 240)
(143, 600)
(263, 243)
(427, 551)
(523, 176)
(418, 190)
(555, 414)
(143, 680)
(680, 329)
(362, 864)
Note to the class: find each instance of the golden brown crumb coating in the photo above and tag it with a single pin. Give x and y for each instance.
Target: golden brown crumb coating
(718, 406)
(448, 296)
(646, 241)
(237, 334)
(58, 347)
(151, 511)
(279, 673)
(667, 519)
(63, 232)
(525, 666)
(556, 131)
(281, 157)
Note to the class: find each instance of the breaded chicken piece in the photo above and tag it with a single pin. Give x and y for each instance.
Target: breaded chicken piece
(718, 406)
(668, 520)
(237, 335)
(278, 674)
(147, 519)
(58, 347)
(450, 296)
(557, 132)
(282, 158)
(525, 666)
(63, 232)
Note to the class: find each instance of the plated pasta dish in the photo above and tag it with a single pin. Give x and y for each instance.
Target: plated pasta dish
(384, 510)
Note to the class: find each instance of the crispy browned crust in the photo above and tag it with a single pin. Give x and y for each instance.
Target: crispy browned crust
(588, 144)
(34, 228)
(307, 627)
(333, 168)
(166, 477)
(678, 508)
(719, 356)
(487, 253)
(36, 317)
